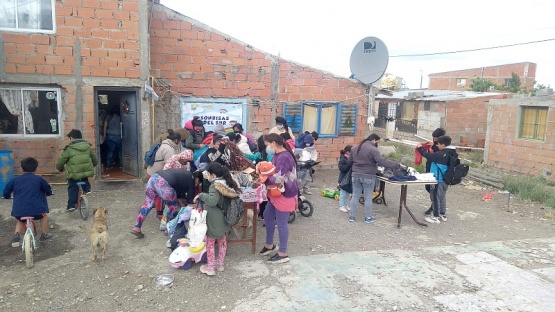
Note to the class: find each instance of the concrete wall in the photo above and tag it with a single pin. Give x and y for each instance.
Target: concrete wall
(505, 150)
(96, 43)
(497, 74)
(200, 61)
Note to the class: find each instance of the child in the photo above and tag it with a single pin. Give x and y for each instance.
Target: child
(29, 199)
(222, 187)
(344, 167)
(439, 165)
(78, 160)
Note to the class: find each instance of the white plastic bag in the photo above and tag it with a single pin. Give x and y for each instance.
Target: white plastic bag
(197, 228)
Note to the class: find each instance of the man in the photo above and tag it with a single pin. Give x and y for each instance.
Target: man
(435, 136)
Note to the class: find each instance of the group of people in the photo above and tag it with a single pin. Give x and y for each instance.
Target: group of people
(362, 162)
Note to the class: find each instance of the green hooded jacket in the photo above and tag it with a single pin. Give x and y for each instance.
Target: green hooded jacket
(78, 160)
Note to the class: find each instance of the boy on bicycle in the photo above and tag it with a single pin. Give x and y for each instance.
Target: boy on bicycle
(29, 199)
(78, 160)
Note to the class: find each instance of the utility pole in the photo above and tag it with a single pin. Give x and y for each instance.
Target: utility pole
(421, 72)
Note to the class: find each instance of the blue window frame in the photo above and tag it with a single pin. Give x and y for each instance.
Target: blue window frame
(329, 119)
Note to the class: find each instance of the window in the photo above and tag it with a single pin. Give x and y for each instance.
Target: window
(30, 112)
(328, 119)
(27, 15)
(533, 123)
(461, 82)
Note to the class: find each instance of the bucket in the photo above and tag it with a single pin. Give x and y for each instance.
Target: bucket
(6, 168)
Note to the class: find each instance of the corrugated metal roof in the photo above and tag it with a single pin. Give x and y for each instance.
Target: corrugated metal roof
(437, 95)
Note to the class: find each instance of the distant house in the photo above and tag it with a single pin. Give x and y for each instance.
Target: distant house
(521, 134)
(409, 113)
(460, 80)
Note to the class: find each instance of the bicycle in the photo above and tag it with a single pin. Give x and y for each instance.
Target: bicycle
(29, 243)
(82, 202)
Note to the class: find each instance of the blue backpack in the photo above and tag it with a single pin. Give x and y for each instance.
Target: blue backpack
(150, 155)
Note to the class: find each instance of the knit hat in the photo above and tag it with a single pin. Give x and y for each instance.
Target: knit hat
(219, 129)
(266, 169)
(197, 122)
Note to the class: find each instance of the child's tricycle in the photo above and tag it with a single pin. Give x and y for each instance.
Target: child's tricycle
(331, 193)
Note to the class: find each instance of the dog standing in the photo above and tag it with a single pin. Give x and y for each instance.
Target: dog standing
(99, 232)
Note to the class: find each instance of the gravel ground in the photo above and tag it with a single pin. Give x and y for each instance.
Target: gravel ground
(64, 278)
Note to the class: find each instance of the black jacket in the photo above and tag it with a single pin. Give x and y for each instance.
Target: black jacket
(344, 166)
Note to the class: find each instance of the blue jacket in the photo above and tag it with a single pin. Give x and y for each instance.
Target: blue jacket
(439, 161)
(29, 195)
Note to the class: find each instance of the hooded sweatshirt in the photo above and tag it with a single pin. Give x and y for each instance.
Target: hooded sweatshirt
(439, 162)
(365, 162)
(78, 160)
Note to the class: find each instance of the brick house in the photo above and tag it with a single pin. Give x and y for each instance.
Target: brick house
(521, 134)
(409, 113)
(460, 80)
(70, 61)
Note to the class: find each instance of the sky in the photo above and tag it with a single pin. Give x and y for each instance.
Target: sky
(323, 33)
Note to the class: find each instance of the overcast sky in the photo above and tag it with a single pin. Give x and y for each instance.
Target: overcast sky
(323, 33)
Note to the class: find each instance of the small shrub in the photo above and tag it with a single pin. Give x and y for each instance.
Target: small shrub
(531, 188)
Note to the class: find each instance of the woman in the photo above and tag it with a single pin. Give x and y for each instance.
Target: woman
(278, 207)
(195, 141)
(282, 127)
(238, 128)
(222, 186)
(166, 186)
(365, 158)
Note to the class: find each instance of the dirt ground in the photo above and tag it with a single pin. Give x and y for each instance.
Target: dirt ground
(64, 278)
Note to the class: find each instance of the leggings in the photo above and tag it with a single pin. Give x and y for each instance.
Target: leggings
(157, 187)
(211, 251)
(272, 216)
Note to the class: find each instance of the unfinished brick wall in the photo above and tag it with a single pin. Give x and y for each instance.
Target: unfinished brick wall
(496, 74)
(507, 151)
(201, 62)
(93, 39)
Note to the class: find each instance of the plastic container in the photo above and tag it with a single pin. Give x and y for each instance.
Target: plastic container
(6, 168)
(163, 281)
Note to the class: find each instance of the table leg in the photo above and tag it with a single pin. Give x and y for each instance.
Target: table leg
(404, 203)
(382, 192)
(254, 222)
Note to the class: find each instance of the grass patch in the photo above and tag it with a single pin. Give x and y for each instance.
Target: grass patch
(531, 188)
(407, 152)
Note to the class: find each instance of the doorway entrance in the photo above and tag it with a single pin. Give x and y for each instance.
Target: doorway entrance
(118, 144)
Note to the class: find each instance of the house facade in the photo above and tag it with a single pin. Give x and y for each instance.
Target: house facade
(409, 113)
(521, 134)
(81, 58)
(460, 80)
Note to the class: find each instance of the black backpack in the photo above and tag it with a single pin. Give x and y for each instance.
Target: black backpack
(455, 171)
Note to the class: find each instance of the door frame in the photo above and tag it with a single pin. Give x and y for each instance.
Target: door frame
(137, 91)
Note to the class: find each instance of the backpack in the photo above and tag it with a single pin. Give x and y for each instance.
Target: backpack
(150, 155)
(233, 210)
(455, 171)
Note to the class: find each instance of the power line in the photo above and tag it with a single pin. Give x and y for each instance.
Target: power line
(473, 50)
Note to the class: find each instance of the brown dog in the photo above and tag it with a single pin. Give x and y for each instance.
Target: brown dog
(99, 232)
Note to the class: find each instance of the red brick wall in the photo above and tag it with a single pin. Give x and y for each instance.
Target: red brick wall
(496, 74)
(108, 35)
(507, 151)
(202, 62)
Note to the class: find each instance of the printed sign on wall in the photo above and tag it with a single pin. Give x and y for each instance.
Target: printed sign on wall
(212, 113)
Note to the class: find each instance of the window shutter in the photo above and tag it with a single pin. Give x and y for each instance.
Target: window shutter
(348, 119)
(293, 114)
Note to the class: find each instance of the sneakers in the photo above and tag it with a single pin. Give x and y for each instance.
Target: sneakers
(278, 259)
(208, 270)
(89, 192)
(219, 267)
(15, 240)
(137, 232)
(351, 219)
(307, 192)
(443, 218)
(432, 219)
(266, 251)
(45, 237)
(429, 211)
(344, 209)
(370, 220)
(70, 209)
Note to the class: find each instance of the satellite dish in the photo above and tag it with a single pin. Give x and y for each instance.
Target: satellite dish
(369, 60)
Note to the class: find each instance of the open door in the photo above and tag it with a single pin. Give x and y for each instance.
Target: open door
(125, 161)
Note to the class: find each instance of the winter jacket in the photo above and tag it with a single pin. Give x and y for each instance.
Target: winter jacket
(429, 163)
(78, 160)
(305, 139)
(365, 163)
(29, 195)
(278, 131)
(167, 149)
(243, 144)
(194, 141)
(344, 166)
(217, 194)
(439, 162)
(285, 174)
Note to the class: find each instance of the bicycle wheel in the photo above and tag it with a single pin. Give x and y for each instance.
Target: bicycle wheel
(84, 209)
(306, 209)
(292, 216)
(28, 241)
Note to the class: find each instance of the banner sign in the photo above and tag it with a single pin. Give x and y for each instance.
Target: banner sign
(212, 113)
